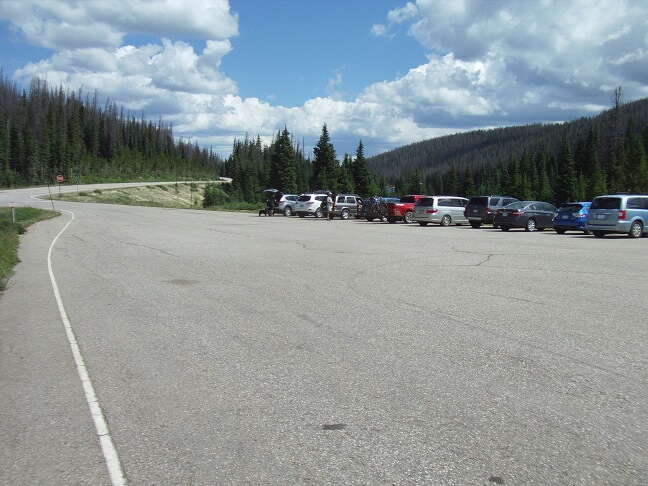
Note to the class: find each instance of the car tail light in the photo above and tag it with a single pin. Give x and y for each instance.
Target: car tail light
(622, 214)
(488, 209)
(578, 215)
(517, 212)
(431, 211)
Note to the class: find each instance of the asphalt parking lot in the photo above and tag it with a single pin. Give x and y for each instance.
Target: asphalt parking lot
(229, 348)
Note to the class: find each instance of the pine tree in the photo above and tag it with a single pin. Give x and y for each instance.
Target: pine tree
(468, 183)
(282, 163)
(636, 165)
(451, 182)
(544, 191)
(361, 175)
(325, 167)
(566, 184)
(346, 175)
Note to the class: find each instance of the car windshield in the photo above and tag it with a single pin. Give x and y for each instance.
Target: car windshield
(606, 203)
(304, 198)
(425, 202)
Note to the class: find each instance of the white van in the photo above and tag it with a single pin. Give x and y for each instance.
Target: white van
(444, 210)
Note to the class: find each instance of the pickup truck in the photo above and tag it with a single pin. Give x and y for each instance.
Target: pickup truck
(402, 210)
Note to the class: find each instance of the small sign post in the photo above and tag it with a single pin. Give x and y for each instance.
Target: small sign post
(13, 212)
(59, 179)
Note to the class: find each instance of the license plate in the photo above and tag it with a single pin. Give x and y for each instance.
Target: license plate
(475, 210)
(565, 216)
(601, 216)
(505, 214)
(420, 211)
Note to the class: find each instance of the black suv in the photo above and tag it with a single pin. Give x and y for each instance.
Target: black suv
(481, 209)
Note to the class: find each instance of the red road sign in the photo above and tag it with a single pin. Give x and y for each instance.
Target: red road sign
(59, 178)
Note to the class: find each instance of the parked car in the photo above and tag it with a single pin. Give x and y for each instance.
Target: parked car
(571, 217)
(403, 209)
(444, 210)
(376, 207)
(346, 205)
(619, 214)
(481, 209)
(530, 215)
(310, 204)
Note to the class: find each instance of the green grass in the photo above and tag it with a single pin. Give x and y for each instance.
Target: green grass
(183, 195)
(10, 232)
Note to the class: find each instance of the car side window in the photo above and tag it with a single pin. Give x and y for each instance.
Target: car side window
(635, 203)
(351, 200)
(494, 201)
(506, 202)
(444, 202)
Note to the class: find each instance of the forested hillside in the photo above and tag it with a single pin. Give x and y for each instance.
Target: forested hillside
(556, 162)
(46, 131)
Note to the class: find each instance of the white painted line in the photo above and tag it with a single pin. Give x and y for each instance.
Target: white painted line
(107, 445)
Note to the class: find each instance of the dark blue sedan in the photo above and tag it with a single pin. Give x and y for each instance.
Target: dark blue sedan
(571, 217)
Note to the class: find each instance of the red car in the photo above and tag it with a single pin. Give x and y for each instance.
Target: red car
(404, 209)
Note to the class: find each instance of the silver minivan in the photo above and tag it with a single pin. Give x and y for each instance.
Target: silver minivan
(619, 213)
(444, 210)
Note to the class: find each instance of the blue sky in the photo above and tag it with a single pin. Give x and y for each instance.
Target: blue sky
(386, 72)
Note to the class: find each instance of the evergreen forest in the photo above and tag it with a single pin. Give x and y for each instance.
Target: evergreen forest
(46, 131)
(570, 161)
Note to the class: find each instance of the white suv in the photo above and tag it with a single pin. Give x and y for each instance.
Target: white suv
(310, 204)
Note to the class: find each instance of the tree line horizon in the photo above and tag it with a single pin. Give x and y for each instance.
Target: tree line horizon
(46, 131)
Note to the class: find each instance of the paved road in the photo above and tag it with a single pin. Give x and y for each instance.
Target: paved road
(233, 349)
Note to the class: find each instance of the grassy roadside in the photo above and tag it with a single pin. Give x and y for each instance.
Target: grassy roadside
(10, 232)
(181, 195)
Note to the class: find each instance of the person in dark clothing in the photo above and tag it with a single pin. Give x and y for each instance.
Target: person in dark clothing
(270, 205)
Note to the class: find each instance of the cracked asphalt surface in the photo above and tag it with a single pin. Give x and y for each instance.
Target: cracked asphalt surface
(235, 349)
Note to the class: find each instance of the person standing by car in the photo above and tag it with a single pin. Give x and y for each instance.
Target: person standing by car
(329, 206)
(271, 205)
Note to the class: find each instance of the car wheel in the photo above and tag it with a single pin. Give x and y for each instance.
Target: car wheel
(408, 218)
(446, 220)
(318, 213)
(369, 219)
(560, 231)
(475, 224)
(288, 211)
(423, 223)
(599, 234)
(344, 214)
(504, 228)
(530, 225)
(636, 230)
